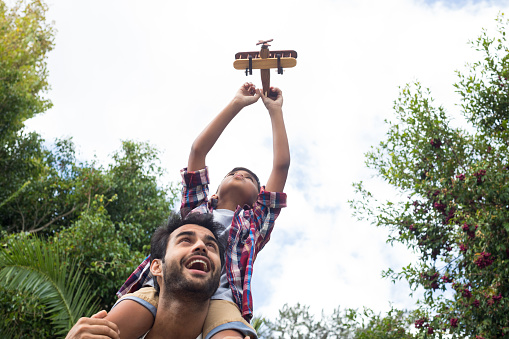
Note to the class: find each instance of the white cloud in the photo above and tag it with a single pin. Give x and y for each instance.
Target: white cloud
(159, 71)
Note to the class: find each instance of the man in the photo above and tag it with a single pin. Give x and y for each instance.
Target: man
(186, 264)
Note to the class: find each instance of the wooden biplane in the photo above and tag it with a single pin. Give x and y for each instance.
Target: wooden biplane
(264, 60)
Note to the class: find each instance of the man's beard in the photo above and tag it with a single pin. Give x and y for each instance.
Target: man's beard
(178, 286)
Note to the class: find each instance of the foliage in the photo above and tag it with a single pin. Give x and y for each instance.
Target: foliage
(107, 239)
(58, 188)
(20, 163)
(40, 271)
(396, 324)
(259, 326)
(140, 199)
(457, 182)
(298, 322)
(25, 40)
(103, 248)
(20, 315)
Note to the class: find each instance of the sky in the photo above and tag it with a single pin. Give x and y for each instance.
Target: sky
(159, 71)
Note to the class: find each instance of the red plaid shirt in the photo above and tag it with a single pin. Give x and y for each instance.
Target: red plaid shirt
(250, 231)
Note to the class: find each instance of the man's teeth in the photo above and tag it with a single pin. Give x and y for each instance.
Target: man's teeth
(198, 261)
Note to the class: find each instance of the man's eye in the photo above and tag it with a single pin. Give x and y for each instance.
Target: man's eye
(251, 179)
(185, 240)
(212, 245)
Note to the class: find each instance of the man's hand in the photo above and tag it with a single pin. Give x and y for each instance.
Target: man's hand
(246, 95)
(274, 100)
(94, 327)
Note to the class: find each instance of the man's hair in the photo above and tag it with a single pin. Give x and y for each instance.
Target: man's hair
(159, 242)
(236, 169)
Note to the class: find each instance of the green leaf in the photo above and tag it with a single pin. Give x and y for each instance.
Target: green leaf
(32, 266)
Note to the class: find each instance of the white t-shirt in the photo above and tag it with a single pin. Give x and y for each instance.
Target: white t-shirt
(224, 217)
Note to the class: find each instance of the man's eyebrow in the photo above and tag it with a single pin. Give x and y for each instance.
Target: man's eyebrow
(192, 233)
(184, 233)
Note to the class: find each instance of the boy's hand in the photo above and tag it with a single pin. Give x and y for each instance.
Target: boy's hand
(274, 100)
(246, 95)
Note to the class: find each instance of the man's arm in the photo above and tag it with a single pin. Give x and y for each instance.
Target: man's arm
(246, 95)
(130, 317)
(281, 150)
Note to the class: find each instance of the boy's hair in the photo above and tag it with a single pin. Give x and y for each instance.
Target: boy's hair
(159, 242)
(236, 169)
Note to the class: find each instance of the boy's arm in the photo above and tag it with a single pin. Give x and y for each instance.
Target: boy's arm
(281, 150)
(246, 95)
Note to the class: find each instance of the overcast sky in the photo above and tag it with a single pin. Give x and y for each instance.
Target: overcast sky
(159, 71)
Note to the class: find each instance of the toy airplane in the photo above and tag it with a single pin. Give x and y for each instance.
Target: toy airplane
(265, 60)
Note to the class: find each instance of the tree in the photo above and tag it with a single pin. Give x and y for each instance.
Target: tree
(141, 199)
(297, 322)
(104, 248)
(25, 40)
(457, 183)
(58, 188)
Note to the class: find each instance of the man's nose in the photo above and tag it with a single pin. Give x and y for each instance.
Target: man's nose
(200, 246)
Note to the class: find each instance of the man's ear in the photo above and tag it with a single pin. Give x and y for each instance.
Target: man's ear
(156, 268)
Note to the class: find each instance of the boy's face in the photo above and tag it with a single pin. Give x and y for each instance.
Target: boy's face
(241, 185)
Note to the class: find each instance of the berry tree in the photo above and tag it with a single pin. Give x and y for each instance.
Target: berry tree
(456, 217)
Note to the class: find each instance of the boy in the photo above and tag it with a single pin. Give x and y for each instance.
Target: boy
(246, 210)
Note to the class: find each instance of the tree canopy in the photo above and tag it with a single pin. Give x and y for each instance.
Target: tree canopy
(456, 179)
(25, 40)
(297, 322)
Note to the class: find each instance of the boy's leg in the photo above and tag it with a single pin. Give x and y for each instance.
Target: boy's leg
(224, 319)
(134, 313)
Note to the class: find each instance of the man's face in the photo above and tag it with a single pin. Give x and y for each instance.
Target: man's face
(243, 184)
(192, 265)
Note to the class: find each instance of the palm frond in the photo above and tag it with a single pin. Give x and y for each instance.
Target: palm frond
(7, 332)
(31, 265)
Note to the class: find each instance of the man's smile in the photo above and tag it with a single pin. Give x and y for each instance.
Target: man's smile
(198, 263)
